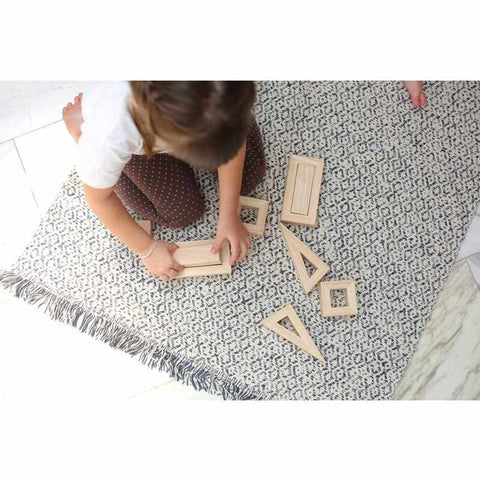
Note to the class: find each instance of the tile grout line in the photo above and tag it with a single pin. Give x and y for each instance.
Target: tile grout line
(30, 131)
(26, 175)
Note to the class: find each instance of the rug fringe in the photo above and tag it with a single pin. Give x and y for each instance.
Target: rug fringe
(183, 369)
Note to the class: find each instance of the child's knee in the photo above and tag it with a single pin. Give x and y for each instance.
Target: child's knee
(183, 216)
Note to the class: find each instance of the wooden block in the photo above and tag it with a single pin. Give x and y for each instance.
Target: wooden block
(350, 291)
(302, 191)
(146, 225)
(299, 251)
(301, 338)
(261, 206)
(301, 196)
(197, 256)
(222, 268)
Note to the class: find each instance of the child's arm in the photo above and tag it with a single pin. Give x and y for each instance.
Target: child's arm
(229, 226)
(112, 213)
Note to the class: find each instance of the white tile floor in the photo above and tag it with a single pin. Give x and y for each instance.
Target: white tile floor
(26, 106)
(15, 190)
(39, 357)
(35, 158)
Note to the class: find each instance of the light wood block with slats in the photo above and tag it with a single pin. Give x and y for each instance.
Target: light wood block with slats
(302, 191)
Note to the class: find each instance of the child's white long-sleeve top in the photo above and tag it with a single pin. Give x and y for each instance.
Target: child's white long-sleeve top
(109, 135)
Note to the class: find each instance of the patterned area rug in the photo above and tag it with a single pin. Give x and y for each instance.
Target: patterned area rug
(400, 187)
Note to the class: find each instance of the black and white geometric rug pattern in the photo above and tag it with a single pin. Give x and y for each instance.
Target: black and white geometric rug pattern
(400, 187)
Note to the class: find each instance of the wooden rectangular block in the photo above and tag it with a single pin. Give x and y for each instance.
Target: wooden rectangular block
(197, 256)
(261, 206)
(199, 261)
(302, 191)
(348, 286)
(301, 196)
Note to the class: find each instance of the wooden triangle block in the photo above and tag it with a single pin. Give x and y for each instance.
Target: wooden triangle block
(301, 339)
(298, 251)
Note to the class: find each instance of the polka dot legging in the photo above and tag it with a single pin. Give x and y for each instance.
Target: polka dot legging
(163, 189)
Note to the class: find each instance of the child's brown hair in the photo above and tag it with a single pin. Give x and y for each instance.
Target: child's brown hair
(203, 123)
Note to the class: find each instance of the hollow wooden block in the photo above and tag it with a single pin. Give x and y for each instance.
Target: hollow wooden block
(302, 191)
(350, 291)
(301, 338)
(197, 256)
(261, 206)
(299, 251)
(146, 225)
(199, 261)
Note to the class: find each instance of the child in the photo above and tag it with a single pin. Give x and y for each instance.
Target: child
(415, 90)
(137, 144)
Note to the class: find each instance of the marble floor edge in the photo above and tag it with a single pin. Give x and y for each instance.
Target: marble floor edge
(474, 264)
(446, 362)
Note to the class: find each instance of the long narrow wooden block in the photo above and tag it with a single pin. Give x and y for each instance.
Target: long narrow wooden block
(301, 338)
(199, 261)
(299, 251)
(261, 206)
(302, 191)
(350, 291)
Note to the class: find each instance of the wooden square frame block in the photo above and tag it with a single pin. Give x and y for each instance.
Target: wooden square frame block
(301, 338)
(198, 260)
(261, 206)
(302, 191)
(300, 251)
(348, 286)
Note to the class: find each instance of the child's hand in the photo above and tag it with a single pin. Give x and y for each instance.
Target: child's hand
(231, 228)
(161, 263)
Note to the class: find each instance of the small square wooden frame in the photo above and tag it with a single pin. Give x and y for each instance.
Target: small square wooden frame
(348, 286)
(261, 206)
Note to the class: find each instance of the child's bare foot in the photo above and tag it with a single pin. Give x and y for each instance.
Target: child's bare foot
(72, 116)
(415, 89)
